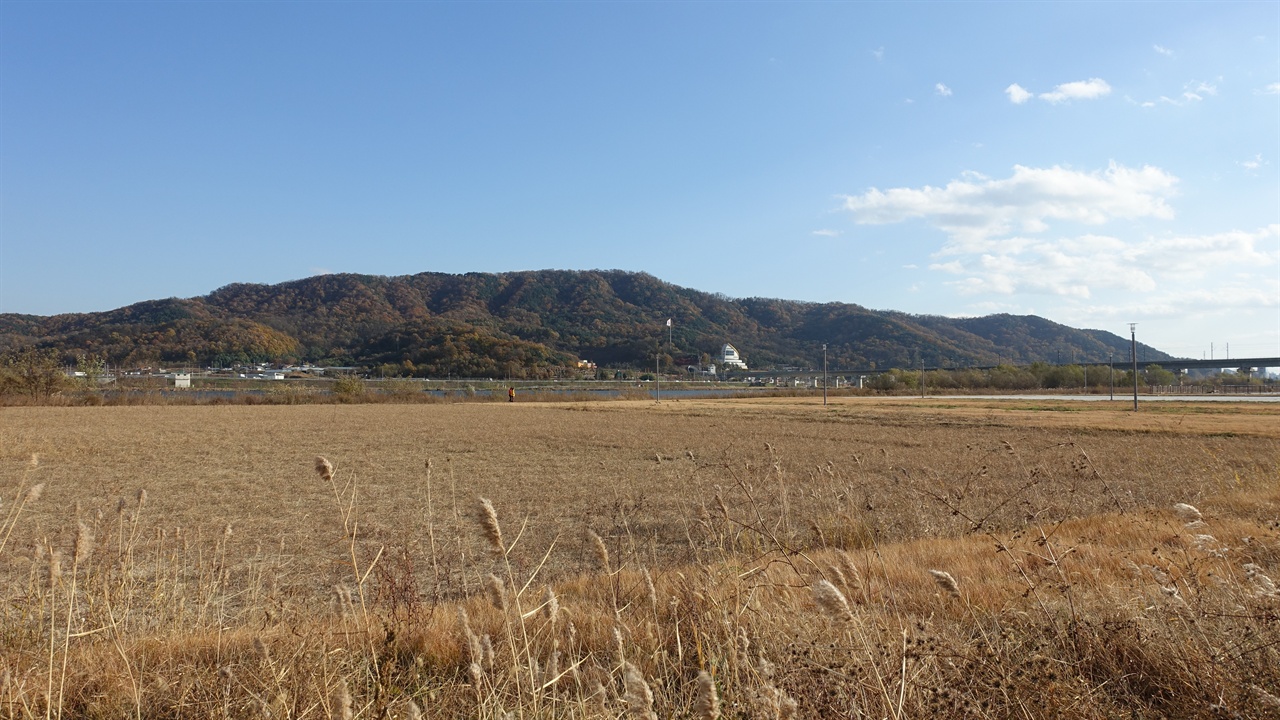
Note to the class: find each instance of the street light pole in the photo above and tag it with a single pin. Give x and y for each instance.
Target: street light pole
(824, 373)
(1133, 349)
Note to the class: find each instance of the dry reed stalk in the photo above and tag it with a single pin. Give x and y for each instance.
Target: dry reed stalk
(706, 704)
(492, 529)
(639, 697)
(831, 600)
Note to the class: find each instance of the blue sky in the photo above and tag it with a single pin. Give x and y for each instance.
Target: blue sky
(1093, 163)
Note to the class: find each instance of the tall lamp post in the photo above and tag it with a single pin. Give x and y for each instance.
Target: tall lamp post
(1133, 350)
(824, 373)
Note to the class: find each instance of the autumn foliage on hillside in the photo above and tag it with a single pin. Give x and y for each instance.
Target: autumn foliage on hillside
(525, 323)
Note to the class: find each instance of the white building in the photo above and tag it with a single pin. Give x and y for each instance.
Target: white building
(729, 357)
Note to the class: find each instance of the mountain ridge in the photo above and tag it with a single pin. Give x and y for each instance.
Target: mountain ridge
(526, 323)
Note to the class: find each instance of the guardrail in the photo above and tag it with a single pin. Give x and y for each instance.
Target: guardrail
(1214, 390)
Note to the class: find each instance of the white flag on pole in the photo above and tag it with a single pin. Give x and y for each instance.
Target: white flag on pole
(668, 322)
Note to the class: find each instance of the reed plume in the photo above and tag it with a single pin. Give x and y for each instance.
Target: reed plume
(324, 469)
(601, 550)
(342, 703)
(497, 591)
(550, 606)
(706, 705)
(831, 600)
(946, 582)
(489, 524)
(639, 697)
(1188, 513)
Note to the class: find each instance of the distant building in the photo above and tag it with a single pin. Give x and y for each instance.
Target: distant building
(182, 380)
(729, 357)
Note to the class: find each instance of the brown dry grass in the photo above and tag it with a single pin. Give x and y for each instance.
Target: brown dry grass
(1081, 594)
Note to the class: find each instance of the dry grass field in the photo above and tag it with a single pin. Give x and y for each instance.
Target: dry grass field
(764, 558)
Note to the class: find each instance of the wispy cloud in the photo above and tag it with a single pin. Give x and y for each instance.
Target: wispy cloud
(1090, 89)
(878, 53)
(1253, 164)
(942, 90)
(1162, 50)
(976, 208)
(826, 233)
(1272, 89)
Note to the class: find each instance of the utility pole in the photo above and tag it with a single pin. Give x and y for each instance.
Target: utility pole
(1133, 350)
(921, 357)
(657, 379)
(1111, 371)
(824, 374)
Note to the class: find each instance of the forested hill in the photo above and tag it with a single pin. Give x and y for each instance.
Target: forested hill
(520, 323)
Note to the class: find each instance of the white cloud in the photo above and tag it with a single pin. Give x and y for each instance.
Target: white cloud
(1090, 89)
(1017, 94)
(1254, 163)
(942, 90)
(826, 233)
(1272, 89)
(878, 53)
(976, 209)
(1162, 50)
(1012, 239)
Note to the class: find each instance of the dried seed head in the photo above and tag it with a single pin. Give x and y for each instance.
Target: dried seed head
(55, 568)
(1189, 513)
(342, 703)
(706, 706)
(550, 606)
(946, 582)
(34, 462)
(34, 493)
(497, 591)
(142, 497)
(412, 711)
(602, 552)
(831, 600)
(324, 468)
(489, 523)
(650, 589)
(618, 645)
(83, 544)
(486, 646)
(639, 697)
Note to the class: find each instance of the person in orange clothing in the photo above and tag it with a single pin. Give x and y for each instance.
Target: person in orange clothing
(511, 394)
